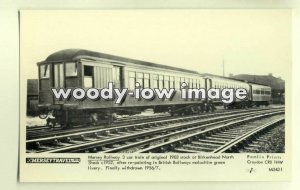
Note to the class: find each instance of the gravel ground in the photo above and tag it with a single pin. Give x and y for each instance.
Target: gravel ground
(275, 144)
(274, 141)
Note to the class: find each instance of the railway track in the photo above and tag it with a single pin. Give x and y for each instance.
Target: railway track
(221, 139)
(121, 138)
(43, 133)
(270, 141)
(122, 119)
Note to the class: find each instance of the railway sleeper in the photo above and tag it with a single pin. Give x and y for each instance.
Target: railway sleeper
(251, 149)
(224, 136)
(218, 138)
(198, 148)
(211, 141)
(181, 150)
(230, 133)
(205, 144)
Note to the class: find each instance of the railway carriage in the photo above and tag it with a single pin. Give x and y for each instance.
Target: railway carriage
(77, 68)
(257, 94)
(221, 83)
(86, 69)
(260, 94)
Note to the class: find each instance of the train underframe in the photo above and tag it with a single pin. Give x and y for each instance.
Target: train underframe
(67, 118)
(70, 117)
(245, 104)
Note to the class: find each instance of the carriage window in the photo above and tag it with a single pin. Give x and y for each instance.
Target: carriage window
(88, 76)
(172, 82)
(71, 69)
(116, 73)
(44, 71)
(191, 83)
(194, 83)
(181, 81)
(139, 79)
(177, 83)
(187, 81)
(131, 85)
(155, 81)
(167, 82)
(146, 80)
(160, 81)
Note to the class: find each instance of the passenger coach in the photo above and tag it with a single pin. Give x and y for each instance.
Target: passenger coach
(77, 68)
(257, 94)
(223, 83)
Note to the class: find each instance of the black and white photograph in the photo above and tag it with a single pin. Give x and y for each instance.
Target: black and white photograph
(210, 84)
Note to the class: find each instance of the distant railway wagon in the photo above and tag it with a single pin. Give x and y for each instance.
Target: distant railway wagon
(73, 68)
(223, 83)
(257, 94)
(260, 94)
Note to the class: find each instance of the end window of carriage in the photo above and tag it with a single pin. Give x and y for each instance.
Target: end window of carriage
(71, 69)
(44, 71)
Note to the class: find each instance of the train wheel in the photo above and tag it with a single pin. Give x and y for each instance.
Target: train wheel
(172, 111)
(213, 108)
(43, 115)
(111, 118)
(202, 108)
(207, 108)
(199, 109)
(94, 119)
(65, 120)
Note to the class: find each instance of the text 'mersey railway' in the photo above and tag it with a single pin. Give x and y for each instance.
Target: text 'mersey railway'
(226, 95)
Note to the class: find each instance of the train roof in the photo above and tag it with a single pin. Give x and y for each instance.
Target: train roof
(77, 54)
(240, 80)
(228, 78)
(259, 84)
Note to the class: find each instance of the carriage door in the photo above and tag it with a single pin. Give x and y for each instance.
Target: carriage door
(58, 79)
(117, 77)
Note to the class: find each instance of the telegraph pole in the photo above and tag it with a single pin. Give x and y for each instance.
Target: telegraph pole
(223, 65)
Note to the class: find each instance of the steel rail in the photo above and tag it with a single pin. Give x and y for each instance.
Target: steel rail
(235, 142)
(53, 136)
(103, 142)
(181, 140)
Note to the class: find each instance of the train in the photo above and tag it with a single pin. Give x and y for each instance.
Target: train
(79, 68)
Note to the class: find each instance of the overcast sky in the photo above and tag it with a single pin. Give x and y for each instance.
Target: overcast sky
(249, 41)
